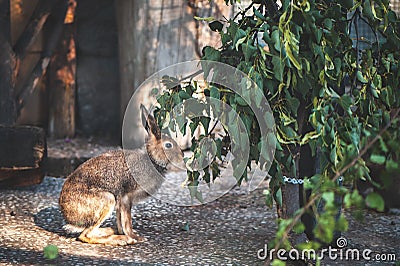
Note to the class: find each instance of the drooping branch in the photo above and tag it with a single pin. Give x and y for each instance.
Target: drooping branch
(56, 20)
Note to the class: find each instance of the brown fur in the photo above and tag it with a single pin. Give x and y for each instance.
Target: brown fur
(111, 181)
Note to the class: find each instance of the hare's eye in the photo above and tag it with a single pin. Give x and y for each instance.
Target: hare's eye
(168, 145)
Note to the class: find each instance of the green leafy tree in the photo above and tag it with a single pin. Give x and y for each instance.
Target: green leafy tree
(334, 94)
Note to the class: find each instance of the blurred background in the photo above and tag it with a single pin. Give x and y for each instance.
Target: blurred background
(75, 64)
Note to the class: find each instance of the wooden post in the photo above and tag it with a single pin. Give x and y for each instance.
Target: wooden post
(61, 83)
(8, 114)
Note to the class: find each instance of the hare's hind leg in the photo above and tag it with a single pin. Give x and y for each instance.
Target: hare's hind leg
(96, 235)
(124, 218)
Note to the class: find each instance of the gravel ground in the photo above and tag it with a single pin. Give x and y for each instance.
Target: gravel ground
(221, 233)
(228, 231)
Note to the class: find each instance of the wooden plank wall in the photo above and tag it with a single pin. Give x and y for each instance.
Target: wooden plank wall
(155, 34)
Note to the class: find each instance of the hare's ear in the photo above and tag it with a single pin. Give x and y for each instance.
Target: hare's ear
(150, 123)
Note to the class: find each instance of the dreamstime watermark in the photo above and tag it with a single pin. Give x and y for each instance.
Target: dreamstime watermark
(342, 252)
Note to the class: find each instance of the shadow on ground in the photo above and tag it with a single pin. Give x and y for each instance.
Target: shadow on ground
(51, 220)
(30, 257)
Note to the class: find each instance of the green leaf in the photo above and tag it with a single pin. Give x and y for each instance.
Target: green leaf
(176, 98)
(247, 121)
(276, 40)
(186, 227)
(378, 159)
(367, 10)
(328, 23)
(309, 245)
(333, 155)
(50, 252)
(214, 92)
(268, 198)
(154, 92)
(265, 145)
(269, 118)
(329, 198)
(392, 166)
(184, 95)
(345, 101)
(193, 127)
(277, 262)
(347, 3)
(240, 37)
(258, 14)
(216, 26)
(342, 224)
(325, 227)
(318, 35)
(309, 136)
(278, 197)
(239, 169)
(211, 53)
(294, 104)
(205, 121)
(299, 228)
(278, 67)
(208, 19)
(240, 101)
(248, 50)
(170, 82)
(375, 201)
(360, 77)
(353, 199)
(292, 56)
(218, 143)
(194, 193)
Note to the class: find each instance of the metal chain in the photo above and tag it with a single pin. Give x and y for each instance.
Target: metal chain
(292, 180)
(298, 181)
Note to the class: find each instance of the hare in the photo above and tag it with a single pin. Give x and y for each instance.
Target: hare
(117, 179)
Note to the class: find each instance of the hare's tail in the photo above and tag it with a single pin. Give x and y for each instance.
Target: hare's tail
(73, 229)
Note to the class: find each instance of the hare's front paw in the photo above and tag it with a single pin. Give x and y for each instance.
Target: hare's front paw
(140, 239)
(119, 240)
(134, 239)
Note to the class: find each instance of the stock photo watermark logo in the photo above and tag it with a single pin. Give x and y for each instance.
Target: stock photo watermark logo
(225, 120)
(339, 253)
